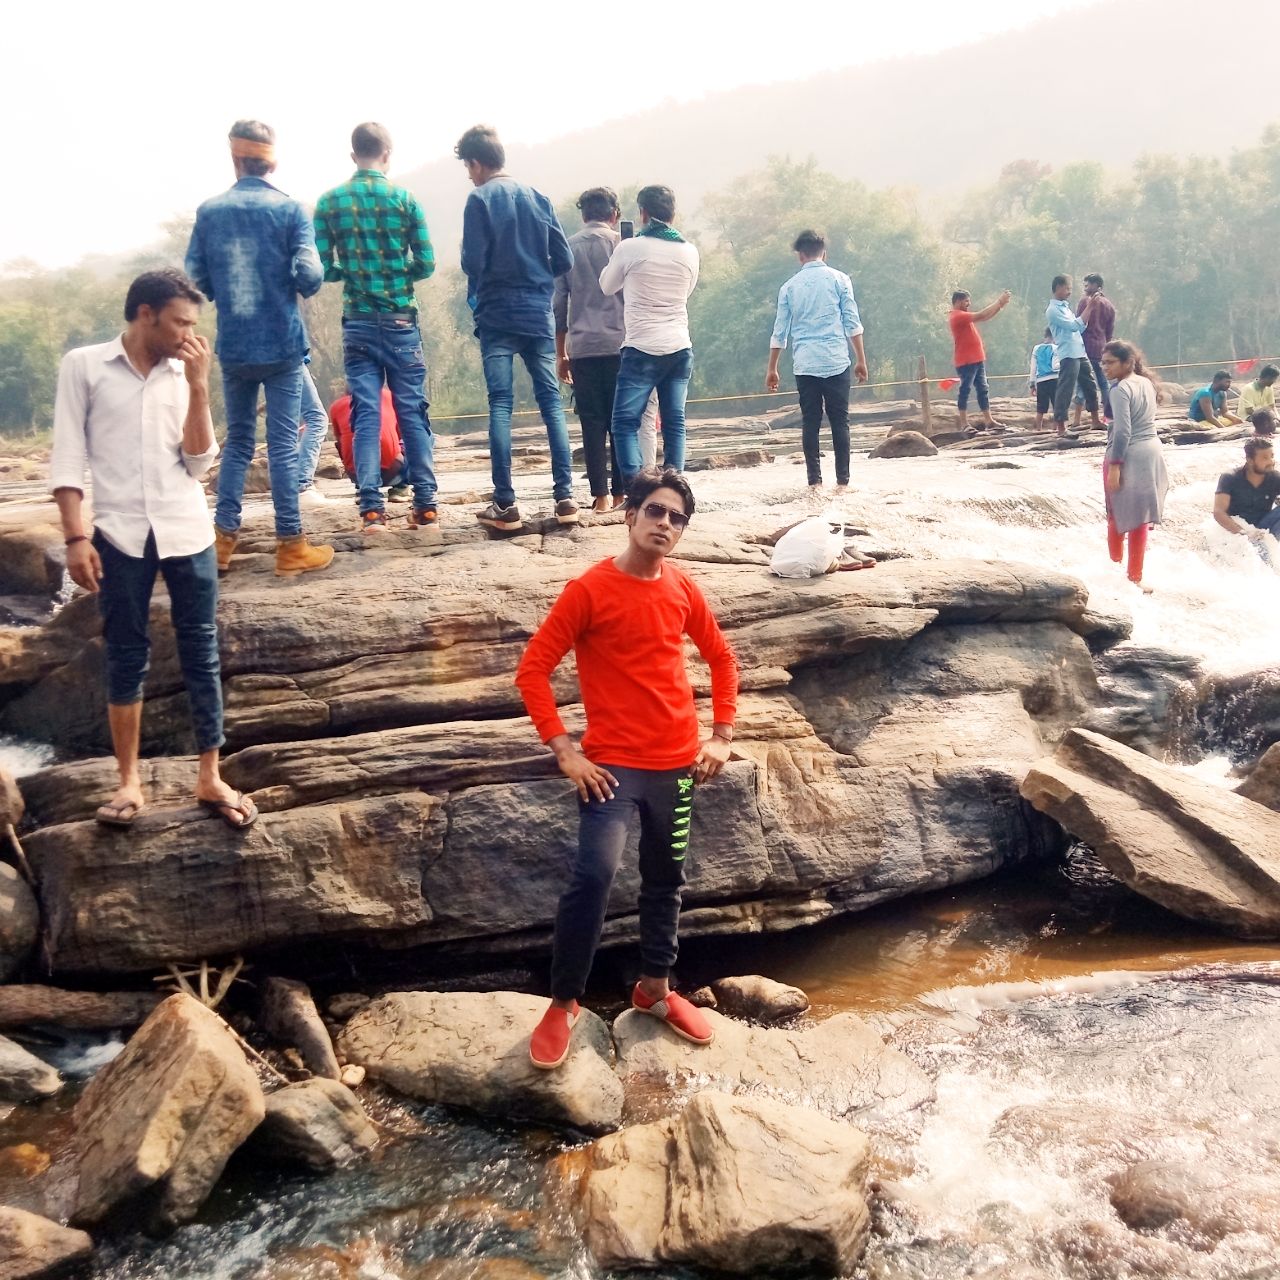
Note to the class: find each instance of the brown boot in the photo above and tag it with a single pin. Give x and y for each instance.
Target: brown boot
(297, 555)
(224, 545)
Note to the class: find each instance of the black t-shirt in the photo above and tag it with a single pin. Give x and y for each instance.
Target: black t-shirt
(1249, 502)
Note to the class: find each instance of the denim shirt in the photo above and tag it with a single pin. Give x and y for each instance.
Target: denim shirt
(817, 314)
(513, 249)
(252, 252)
(1066, 329)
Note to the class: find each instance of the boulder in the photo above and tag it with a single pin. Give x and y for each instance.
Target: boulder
(719, 461)
(758, 999)
(19, 921)
(26, 1004)
(1203, 852)
(1263, 783)
(739, 1185)
(32, 560)
(1212, 1203)
(288, 1013)
(158, 1123)
(23, 1076)
(316, 1123)
(11, 805)
(905, 444)
(471, 1049)
(840, 1067)
(32, 1247)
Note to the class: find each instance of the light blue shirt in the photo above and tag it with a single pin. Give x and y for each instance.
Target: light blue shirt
(1066, 328)
(818, 315)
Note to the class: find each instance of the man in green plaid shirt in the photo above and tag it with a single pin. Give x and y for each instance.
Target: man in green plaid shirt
(371, 235)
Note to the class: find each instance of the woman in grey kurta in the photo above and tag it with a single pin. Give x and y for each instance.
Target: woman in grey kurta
(1134, 478)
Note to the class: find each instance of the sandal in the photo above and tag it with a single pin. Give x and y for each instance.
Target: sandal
(121, 815)
(242, 806)
(852, 560)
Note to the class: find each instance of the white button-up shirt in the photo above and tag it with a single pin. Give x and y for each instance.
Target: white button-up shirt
(656, 278)
(128, 429)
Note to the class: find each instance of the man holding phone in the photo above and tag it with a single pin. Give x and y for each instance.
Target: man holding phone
(626, 619)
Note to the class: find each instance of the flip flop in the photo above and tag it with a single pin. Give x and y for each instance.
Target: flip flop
(121, 816)
(224, 809)
(851, 561)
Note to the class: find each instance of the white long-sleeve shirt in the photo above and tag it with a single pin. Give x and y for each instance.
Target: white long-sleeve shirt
(128, 430)
(656, 278)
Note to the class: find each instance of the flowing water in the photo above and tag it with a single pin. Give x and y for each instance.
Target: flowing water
(1072, 1028)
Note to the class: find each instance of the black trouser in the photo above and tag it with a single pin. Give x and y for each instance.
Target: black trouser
(1074, 371)
(814, 392)
(594, 381)
(664, 798)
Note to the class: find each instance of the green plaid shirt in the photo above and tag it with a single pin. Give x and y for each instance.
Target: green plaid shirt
(372, 236)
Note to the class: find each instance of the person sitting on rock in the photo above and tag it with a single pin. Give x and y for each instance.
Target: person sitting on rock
(626, 619)
(1245, 503)
(1209, 404)
(391, 447)
(1260, 394)
(135, 412)
(1263, 422)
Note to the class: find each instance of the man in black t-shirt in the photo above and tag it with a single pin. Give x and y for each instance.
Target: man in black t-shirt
(1245, 502)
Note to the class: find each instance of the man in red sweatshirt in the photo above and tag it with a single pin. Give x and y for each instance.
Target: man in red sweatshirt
(626, 619)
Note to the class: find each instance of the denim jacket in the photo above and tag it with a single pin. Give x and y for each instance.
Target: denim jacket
(253, 252)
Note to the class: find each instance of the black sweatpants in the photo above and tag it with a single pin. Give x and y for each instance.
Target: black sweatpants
(594, 381)
(664, 798)
(1074, 371)
(814, 392)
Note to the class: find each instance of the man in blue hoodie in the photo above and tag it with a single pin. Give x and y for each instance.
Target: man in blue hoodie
(513, 248)
(253, 252)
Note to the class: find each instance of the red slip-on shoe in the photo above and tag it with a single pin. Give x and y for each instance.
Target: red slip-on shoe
(683, 1018)
(549, 1044)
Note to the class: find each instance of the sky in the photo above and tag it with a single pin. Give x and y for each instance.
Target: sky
(123, 110)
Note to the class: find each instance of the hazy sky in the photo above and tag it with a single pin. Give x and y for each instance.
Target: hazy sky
(118, 113)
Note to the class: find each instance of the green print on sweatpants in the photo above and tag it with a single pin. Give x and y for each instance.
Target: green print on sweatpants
(680, 817)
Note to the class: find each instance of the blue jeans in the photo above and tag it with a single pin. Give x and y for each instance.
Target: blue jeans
(283, 386)
(124, 600)
(639, 375)
(973, 376)
(498, 352)
(388, 346)
(315, 423)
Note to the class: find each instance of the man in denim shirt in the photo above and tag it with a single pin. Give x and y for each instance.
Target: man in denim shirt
(513, 249)
(253, 252)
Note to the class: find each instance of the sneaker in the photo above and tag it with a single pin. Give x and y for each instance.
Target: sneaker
(682, 1017)
(549, 1044)
(297, 555)
(567, 511)
(424, 518)
(496, 517)
(374, 522)
(311, 497)
(224, 544)
(399, 493)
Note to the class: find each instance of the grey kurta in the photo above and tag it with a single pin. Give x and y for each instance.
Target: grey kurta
(1133, 442)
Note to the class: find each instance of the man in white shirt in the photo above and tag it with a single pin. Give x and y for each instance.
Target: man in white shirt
(135, 411)
(656, 272)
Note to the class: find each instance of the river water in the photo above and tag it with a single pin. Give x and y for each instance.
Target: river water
(1071, 1027)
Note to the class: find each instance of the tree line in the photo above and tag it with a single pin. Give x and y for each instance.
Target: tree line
(1187, 247)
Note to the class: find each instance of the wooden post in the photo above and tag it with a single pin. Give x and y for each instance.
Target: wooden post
(926, 412)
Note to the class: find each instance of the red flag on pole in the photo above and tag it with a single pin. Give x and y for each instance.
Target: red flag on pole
(1247, 366)
(947, 383)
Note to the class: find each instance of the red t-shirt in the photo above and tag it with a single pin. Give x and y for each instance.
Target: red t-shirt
(340, 417)
(964, 329)
(628, 636)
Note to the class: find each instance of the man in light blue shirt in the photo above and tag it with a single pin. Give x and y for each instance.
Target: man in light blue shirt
(1074, 369)
(817, 314)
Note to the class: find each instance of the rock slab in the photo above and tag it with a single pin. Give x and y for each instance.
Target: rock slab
(741, 1185)
(19, 921)
(156, 1125)
(32, 1247)
(471, 1049)
(317, 1123)
(1203, 852)
(23, 1076)
(758, 999)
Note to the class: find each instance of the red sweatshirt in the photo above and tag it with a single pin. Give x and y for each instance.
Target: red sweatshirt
(628, 635)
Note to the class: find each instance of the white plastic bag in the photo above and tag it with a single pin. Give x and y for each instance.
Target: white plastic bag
(809, 550)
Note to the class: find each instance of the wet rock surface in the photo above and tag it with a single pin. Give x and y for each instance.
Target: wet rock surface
(32, 1247)
(318, 1123)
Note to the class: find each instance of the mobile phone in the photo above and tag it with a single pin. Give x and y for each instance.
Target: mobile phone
(626, 228)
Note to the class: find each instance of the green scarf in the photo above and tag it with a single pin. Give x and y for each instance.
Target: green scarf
(660, 230)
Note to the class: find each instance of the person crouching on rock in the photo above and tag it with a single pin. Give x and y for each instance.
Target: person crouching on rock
(1245, 503)
(625, 619)
(1133, 471)
(135, 410)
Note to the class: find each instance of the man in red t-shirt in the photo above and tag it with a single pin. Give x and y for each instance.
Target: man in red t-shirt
(626, 619)
(971, 357)
(391, 448)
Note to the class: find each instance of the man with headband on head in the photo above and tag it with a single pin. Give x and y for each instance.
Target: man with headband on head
(253, 253)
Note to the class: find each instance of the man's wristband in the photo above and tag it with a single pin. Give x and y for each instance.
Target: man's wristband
(715, 733)
(78, 537)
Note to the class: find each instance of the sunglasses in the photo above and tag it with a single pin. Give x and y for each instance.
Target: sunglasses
(655, 511)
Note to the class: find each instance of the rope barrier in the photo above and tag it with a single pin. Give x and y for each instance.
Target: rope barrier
(1229, 363)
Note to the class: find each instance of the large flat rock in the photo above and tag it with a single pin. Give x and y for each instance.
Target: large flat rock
(1202, 851)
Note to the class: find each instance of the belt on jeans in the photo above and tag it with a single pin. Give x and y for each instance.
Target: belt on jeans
(372, 317)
